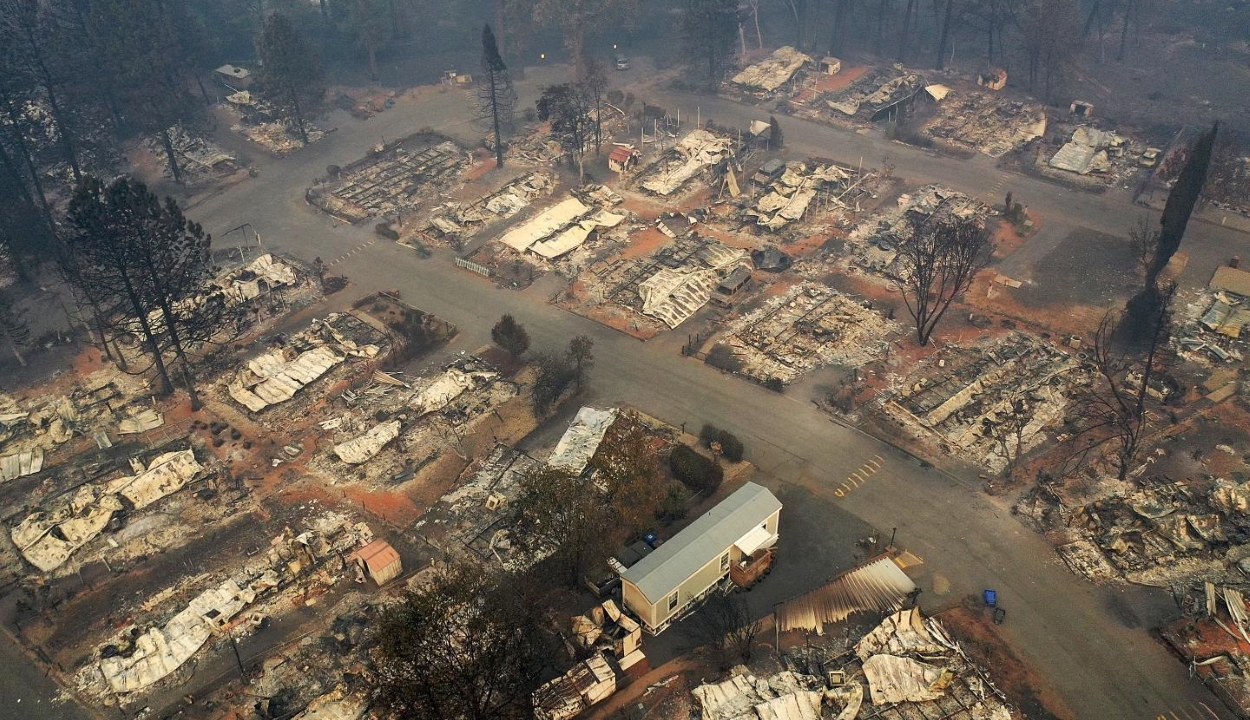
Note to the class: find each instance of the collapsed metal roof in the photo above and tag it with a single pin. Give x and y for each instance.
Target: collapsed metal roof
(878, 586)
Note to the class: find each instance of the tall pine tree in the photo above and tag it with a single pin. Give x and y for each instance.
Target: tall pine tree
(292, 73)
(496, 98)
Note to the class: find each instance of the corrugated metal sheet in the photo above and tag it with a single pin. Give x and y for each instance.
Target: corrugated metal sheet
(579, 443)
(663, 571)
(878, 586)
(1234, 280)
(545, 223)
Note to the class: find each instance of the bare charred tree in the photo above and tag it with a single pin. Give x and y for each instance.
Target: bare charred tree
(905, 35)
(723, 625)
(841, 12)
(291, 71)
(1050, 35)
(568, 107)
(581, 352)
(1113, 408)
(496, 98)
(1144, 239)
(938, 259)
(595, 86)
(945, 35)
(467, 646)
(13, 328)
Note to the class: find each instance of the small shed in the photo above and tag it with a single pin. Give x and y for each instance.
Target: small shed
(380, 561)
(234, 76)
(994, 79)
(622, 159)
(1081, 109)
(731, 286)
(830, 65)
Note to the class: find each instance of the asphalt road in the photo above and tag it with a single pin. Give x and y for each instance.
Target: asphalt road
(1085, 640)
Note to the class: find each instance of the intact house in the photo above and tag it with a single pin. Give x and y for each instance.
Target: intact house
(662, 586)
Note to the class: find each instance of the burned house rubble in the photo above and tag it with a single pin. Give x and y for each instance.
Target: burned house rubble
(876, 238)
(1212, 322)
(232, 602)
(559, 229)
(49, 535)
(803, 187)
(276, 375)
(661, 290)
(909, 666)
(391, 427)
(809, 326)
(457, 221)
(1153, 530)
(393, 179)
(477, 519)
(260, 121)
(774, 71)
(990, 402)
(988, 123)
(699, 150)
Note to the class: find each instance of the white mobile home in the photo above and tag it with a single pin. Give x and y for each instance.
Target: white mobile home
(661, 586)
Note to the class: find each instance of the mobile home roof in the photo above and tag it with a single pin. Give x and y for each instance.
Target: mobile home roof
(663, 571)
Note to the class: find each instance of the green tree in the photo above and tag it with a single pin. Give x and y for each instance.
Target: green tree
(627, 468)
(25, 28)
(467, 646)
(709, 28)
(148, 266)
(511, 336)
(567, 512)
(776, 138)
(291, 70)
(496, 98)
(148, 66)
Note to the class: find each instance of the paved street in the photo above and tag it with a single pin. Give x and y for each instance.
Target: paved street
(1103, 663)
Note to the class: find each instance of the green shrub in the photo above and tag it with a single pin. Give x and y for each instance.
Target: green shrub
(709, 434)
(730, 446)
(694, 470)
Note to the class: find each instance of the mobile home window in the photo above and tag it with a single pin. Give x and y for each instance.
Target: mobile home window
(724, 562)
(672, 602)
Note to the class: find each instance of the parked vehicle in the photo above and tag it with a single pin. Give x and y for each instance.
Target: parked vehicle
(622, 62)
